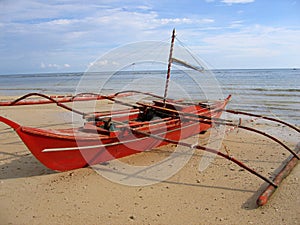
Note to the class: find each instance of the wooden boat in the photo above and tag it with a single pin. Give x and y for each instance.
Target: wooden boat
(109, 135)
(142, 126)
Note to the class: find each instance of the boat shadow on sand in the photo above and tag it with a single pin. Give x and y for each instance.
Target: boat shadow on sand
(16, 161)
(21, 165)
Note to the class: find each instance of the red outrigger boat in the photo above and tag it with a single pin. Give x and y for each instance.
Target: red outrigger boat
(115, 134)
(142, 126)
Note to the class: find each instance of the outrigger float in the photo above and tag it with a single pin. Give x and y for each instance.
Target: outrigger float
(109, 135)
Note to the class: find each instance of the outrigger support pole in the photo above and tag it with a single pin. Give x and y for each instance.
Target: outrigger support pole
(283, 173)
(266, 194)
(50, 99)
(203, 119)
(213, 151)
(262, 199)
(263, 117)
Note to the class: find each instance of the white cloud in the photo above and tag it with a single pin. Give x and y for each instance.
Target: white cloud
(144, 7)
(255, 46)
(78, 32)
(60, 22)
(174, 21)
(229, 2)
(54, 66)
(236, 24)
(181, 21)
(206, 20)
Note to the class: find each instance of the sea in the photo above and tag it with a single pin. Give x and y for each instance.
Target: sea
(272, 92)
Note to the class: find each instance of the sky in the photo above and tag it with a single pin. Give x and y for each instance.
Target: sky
(67, 36)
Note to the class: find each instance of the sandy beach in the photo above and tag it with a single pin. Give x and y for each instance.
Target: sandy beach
(221, 194)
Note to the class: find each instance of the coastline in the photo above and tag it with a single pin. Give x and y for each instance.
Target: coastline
(221, 194)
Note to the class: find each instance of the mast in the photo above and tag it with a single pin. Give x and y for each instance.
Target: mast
(169, 67)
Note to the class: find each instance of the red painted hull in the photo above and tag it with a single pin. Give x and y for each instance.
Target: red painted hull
(67, 149)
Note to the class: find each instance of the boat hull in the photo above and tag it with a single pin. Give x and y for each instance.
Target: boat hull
(67, 149)
(66, 154)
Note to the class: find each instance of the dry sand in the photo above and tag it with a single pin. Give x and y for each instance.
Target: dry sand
(222, 194)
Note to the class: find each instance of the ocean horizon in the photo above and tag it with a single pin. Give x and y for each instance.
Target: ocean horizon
(274, 92)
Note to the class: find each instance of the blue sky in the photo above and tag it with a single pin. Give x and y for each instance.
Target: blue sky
(66, 36)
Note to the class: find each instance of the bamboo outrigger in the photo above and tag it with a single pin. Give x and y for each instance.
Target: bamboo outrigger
(142, 126)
